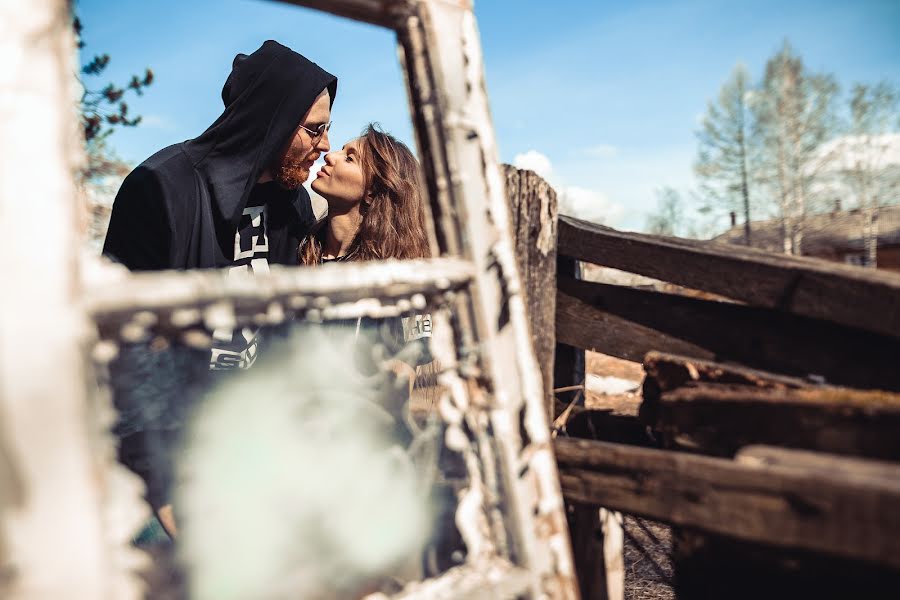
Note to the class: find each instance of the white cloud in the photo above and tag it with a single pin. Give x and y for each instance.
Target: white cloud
(156, 122)
(534, 161)
(602, 151)
(589, 205)
(580, 202)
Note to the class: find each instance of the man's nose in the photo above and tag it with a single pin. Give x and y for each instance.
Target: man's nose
(323, 144)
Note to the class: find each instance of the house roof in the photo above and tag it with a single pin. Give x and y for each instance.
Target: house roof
(823, 233)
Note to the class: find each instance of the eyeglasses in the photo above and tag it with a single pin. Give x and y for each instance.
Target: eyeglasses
(318, 131)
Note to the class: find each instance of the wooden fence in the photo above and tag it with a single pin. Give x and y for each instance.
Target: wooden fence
(771, 392)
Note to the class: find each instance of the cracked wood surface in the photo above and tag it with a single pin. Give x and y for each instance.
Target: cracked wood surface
(802, 286)
(841, 512)
(628, 323)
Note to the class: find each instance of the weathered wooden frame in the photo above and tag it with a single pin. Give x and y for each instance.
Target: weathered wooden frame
(81, 548)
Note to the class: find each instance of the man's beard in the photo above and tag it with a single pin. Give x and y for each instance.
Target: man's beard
(290, 172)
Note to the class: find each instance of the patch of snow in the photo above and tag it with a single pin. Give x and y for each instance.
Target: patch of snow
(609, 385)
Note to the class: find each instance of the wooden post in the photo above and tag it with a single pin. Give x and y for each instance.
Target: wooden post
(568, 365)
(587, 547)
(533, 211)
(61, 532)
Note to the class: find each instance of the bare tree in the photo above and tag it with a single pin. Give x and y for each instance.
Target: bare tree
(794, 114)
(863, 161)
(670, 217)
(102, 111)
(722, 164)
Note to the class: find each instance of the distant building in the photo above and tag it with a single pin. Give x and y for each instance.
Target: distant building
(836, 236)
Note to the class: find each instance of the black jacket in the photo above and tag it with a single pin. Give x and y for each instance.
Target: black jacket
(180, 208)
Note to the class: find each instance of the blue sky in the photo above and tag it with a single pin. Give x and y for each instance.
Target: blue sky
(604, 97)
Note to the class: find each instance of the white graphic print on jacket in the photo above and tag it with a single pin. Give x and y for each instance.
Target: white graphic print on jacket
(233, 348)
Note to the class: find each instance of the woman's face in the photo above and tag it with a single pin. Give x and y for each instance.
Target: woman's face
(341, 179)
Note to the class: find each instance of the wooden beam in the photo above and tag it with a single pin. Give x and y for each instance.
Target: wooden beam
(818, 462)
(533, 211)
(581, 325)
(719, 419)
(670, 371)
(815, 288)
(385, 13)
(838, 513)
(66, 507)
(166, 300)
(588, 550)
(568, 360)
(629, 322)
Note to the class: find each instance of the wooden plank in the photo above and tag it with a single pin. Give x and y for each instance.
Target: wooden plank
(587, 548)
(714, 567)
(630, 322)
(533, 212)
(385, 13)
(708, 565)
(815, 288)
(719, 419)
(613, 553)
(819, 462)
(568, 361)
(580, 325)
(441, 55)
(670, 371)
(835, 513)
(169, 301)
(66, 506)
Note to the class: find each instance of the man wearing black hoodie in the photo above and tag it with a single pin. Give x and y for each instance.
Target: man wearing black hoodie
(232, 197)
(182, 207)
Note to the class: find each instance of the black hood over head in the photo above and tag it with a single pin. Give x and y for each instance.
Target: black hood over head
(266, 96)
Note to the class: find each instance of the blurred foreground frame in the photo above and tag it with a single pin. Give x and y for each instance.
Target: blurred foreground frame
(68, 509)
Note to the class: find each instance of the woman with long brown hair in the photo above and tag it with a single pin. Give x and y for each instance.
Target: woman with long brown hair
(375, 212)
(374, 196)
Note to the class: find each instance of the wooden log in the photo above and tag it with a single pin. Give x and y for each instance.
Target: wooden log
(838, 513)
(670, 371)
(386, 13)
(861, 298)
(818, 462)
(580, 325)
(568, 370)
(719, 419)
(587, 548)
(533, 211)
(713, 567)
(170, 301)
(630, 322)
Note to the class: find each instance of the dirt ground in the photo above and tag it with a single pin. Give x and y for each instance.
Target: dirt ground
(648, 560)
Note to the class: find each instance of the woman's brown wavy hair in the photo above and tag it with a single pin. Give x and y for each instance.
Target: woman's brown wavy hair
(393, 223)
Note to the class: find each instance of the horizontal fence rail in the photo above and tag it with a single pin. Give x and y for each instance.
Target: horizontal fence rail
(716, 409)
(628, 323)
(843, 510)
(801, 286)
(174, 298)
(385, 13)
